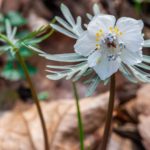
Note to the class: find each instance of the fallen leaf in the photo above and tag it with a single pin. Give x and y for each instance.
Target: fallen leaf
(21, 130)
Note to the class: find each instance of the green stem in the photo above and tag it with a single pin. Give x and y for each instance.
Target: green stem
(50, 33)
(109, 114)
(35, 98)
(80, 124)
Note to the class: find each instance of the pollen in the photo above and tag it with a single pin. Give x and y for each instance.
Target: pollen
(115, 30)
(98, 46)
(121, 33)
(111, 28)
(101, 31)
(97, 34)
(97, 39)
(98, 60)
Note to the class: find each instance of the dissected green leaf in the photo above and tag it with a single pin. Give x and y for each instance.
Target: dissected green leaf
(127, 73)
(73, 72)
(15, 18)
(146, 43)
(10, 72)
(2, 28)
(1, 17)
(13, 71)
(25, 52)
(21, 34)
(93, 85)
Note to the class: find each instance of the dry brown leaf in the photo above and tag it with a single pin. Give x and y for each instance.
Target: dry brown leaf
(35, 21)
(119, 143)
(143, 108)
(22, 130)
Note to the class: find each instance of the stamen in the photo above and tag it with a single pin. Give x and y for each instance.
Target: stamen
(121, 33)
(97, 39)
(98, 46)
(115, 30)
(97, 34)
(111, 28)
(98, 60)
(112, 57)
(101, 31)
(121, 45)
(109, 42)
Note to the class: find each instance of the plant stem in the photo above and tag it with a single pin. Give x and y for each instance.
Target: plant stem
(35, 98)
(109, 114)
(80, 124)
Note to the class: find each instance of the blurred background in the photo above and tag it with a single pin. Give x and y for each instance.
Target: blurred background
(131, 127)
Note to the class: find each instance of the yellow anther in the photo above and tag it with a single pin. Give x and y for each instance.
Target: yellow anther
(97, 34)
(111, 28)
(98, 46)
(120, 33)
(97, 39)
(116, 29)
(101, 31)
(98, 60)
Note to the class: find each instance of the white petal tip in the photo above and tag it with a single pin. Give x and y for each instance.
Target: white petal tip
(51, 24)
(63, 6)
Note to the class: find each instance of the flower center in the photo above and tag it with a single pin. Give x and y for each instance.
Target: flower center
(110, 41)
(109, 44)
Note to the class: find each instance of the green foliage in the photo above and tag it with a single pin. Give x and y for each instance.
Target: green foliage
(43, 95)
(13, 70)
(25, 53)
(138, 6)
(15, 20)
(14, 41)
(80, 122)
(93, 83)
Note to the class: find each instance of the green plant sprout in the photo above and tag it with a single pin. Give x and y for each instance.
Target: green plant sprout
(12, 69)
(80, 124)
(13, 45)
(138, 5)
(15, 19)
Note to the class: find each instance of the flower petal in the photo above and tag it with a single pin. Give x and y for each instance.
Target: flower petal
(85, 45)
(94, 58)
(133, 42)
(132, 33)
(127, 24)
(101, 22)
(131, 58)
(106, 68)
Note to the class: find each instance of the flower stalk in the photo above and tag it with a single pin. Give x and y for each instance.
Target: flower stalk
(80, 124)
(35, 98)
(109, 114)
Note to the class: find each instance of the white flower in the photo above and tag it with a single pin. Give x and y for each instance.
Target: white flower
(105, 46)
(107, 43)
